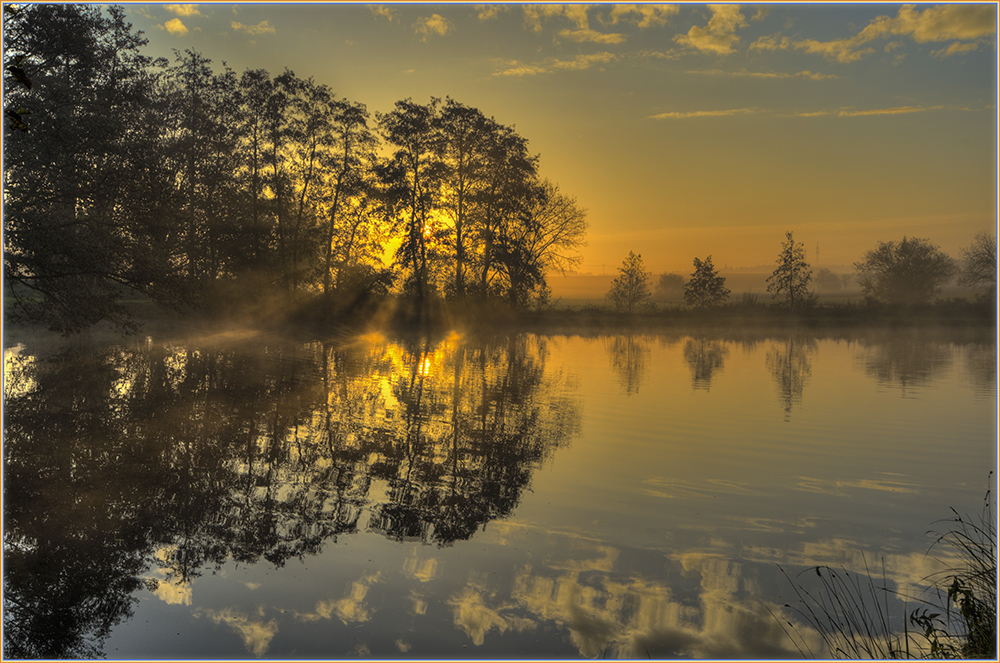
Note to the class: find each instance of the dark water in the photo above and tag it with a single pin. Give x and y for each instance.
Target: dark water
(521, 496)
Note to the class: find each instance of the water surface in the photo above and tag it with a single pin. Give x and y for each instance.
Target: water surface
(520, 496)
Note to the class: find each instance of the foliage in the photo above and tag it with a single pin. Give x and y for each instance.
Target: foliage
(706, 287)
(630, 291)
(82, 189)
(144, 179)
(979, 264)
(907, 272)
(669, 288)
(790, 279)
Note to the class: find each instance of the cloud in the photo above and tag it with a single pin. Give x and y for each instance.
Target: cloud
(719, 36)
(535, 14)
(183, 10)
(592, 36)
(381, 11)
(263, 27)
(175, 27)
(715, 113)
(256, 634)
(899, 110)
(646, 16)
(550, 65)
(933, 24)
(939, 23)
(489, 12)
(743, 73)
(433, 25)
(957, 48)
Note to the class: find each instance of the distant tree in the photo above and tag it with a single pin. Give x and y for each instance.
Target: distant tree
(631, 289)
(907, 272)
(979, 263)
(790, 279)
(669, 288)
(706, 287)
(827, 280)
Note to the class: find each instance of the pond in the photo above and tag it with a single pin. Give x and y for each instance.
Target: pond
(522, 496)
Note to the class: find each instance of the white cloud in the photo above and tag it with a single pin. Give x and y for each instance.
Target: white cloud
(433, 25)
(719, 36)
(176, 27)
(183, 10)
(264, 27)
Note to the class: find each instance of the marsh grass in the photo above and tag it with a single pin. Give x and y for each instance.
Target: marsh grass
(956, 618)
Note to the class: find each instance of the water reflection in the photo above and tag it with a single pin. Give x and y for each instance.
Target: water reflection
(628, 355)
(705, 357)
(905, 361)
(790, 365)
(148, 470)
(147, 465)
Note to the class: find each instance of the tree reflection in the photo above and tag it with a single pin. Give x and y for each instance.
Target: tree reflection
(791, 367)
(905, 361)
(180, 458)
(628, 356)
(705, 357)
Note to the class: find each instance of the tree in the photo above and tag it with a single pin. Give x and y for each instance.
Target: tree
(413, 173)
(669, 288)
(790, 279)
(979, 263)
(706, 287)
(78, 229)
(827, 280)
(631, 289)
(907, 272)
(544, 239)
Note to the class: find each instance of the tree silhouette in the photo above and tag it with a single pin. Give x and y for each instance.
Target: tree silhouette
(907, 272)
(979, 264)
(790, 279)
(706, 287)
(630, 290)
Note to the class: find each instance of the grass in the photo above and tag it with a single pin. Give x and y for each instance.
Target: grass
(851, 614)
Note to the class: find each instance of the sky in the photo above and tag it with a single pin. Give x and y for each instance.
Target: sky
(685, 130)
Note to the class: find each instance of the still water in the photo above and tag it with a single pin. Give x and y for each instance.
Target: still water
(572, 496)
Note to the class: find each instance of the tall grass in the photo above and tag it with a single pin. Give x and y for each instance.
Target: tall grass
(955, 619)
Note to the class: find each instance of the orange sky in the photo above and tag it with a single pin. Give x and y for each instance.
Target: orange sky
(685, 130)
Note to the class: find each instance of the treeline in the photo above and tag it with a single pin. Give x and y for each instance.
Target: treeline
(908, 272)
(184, 183)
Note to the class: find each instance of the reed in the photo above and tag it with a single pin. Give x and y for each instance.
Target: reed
(955, 619)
